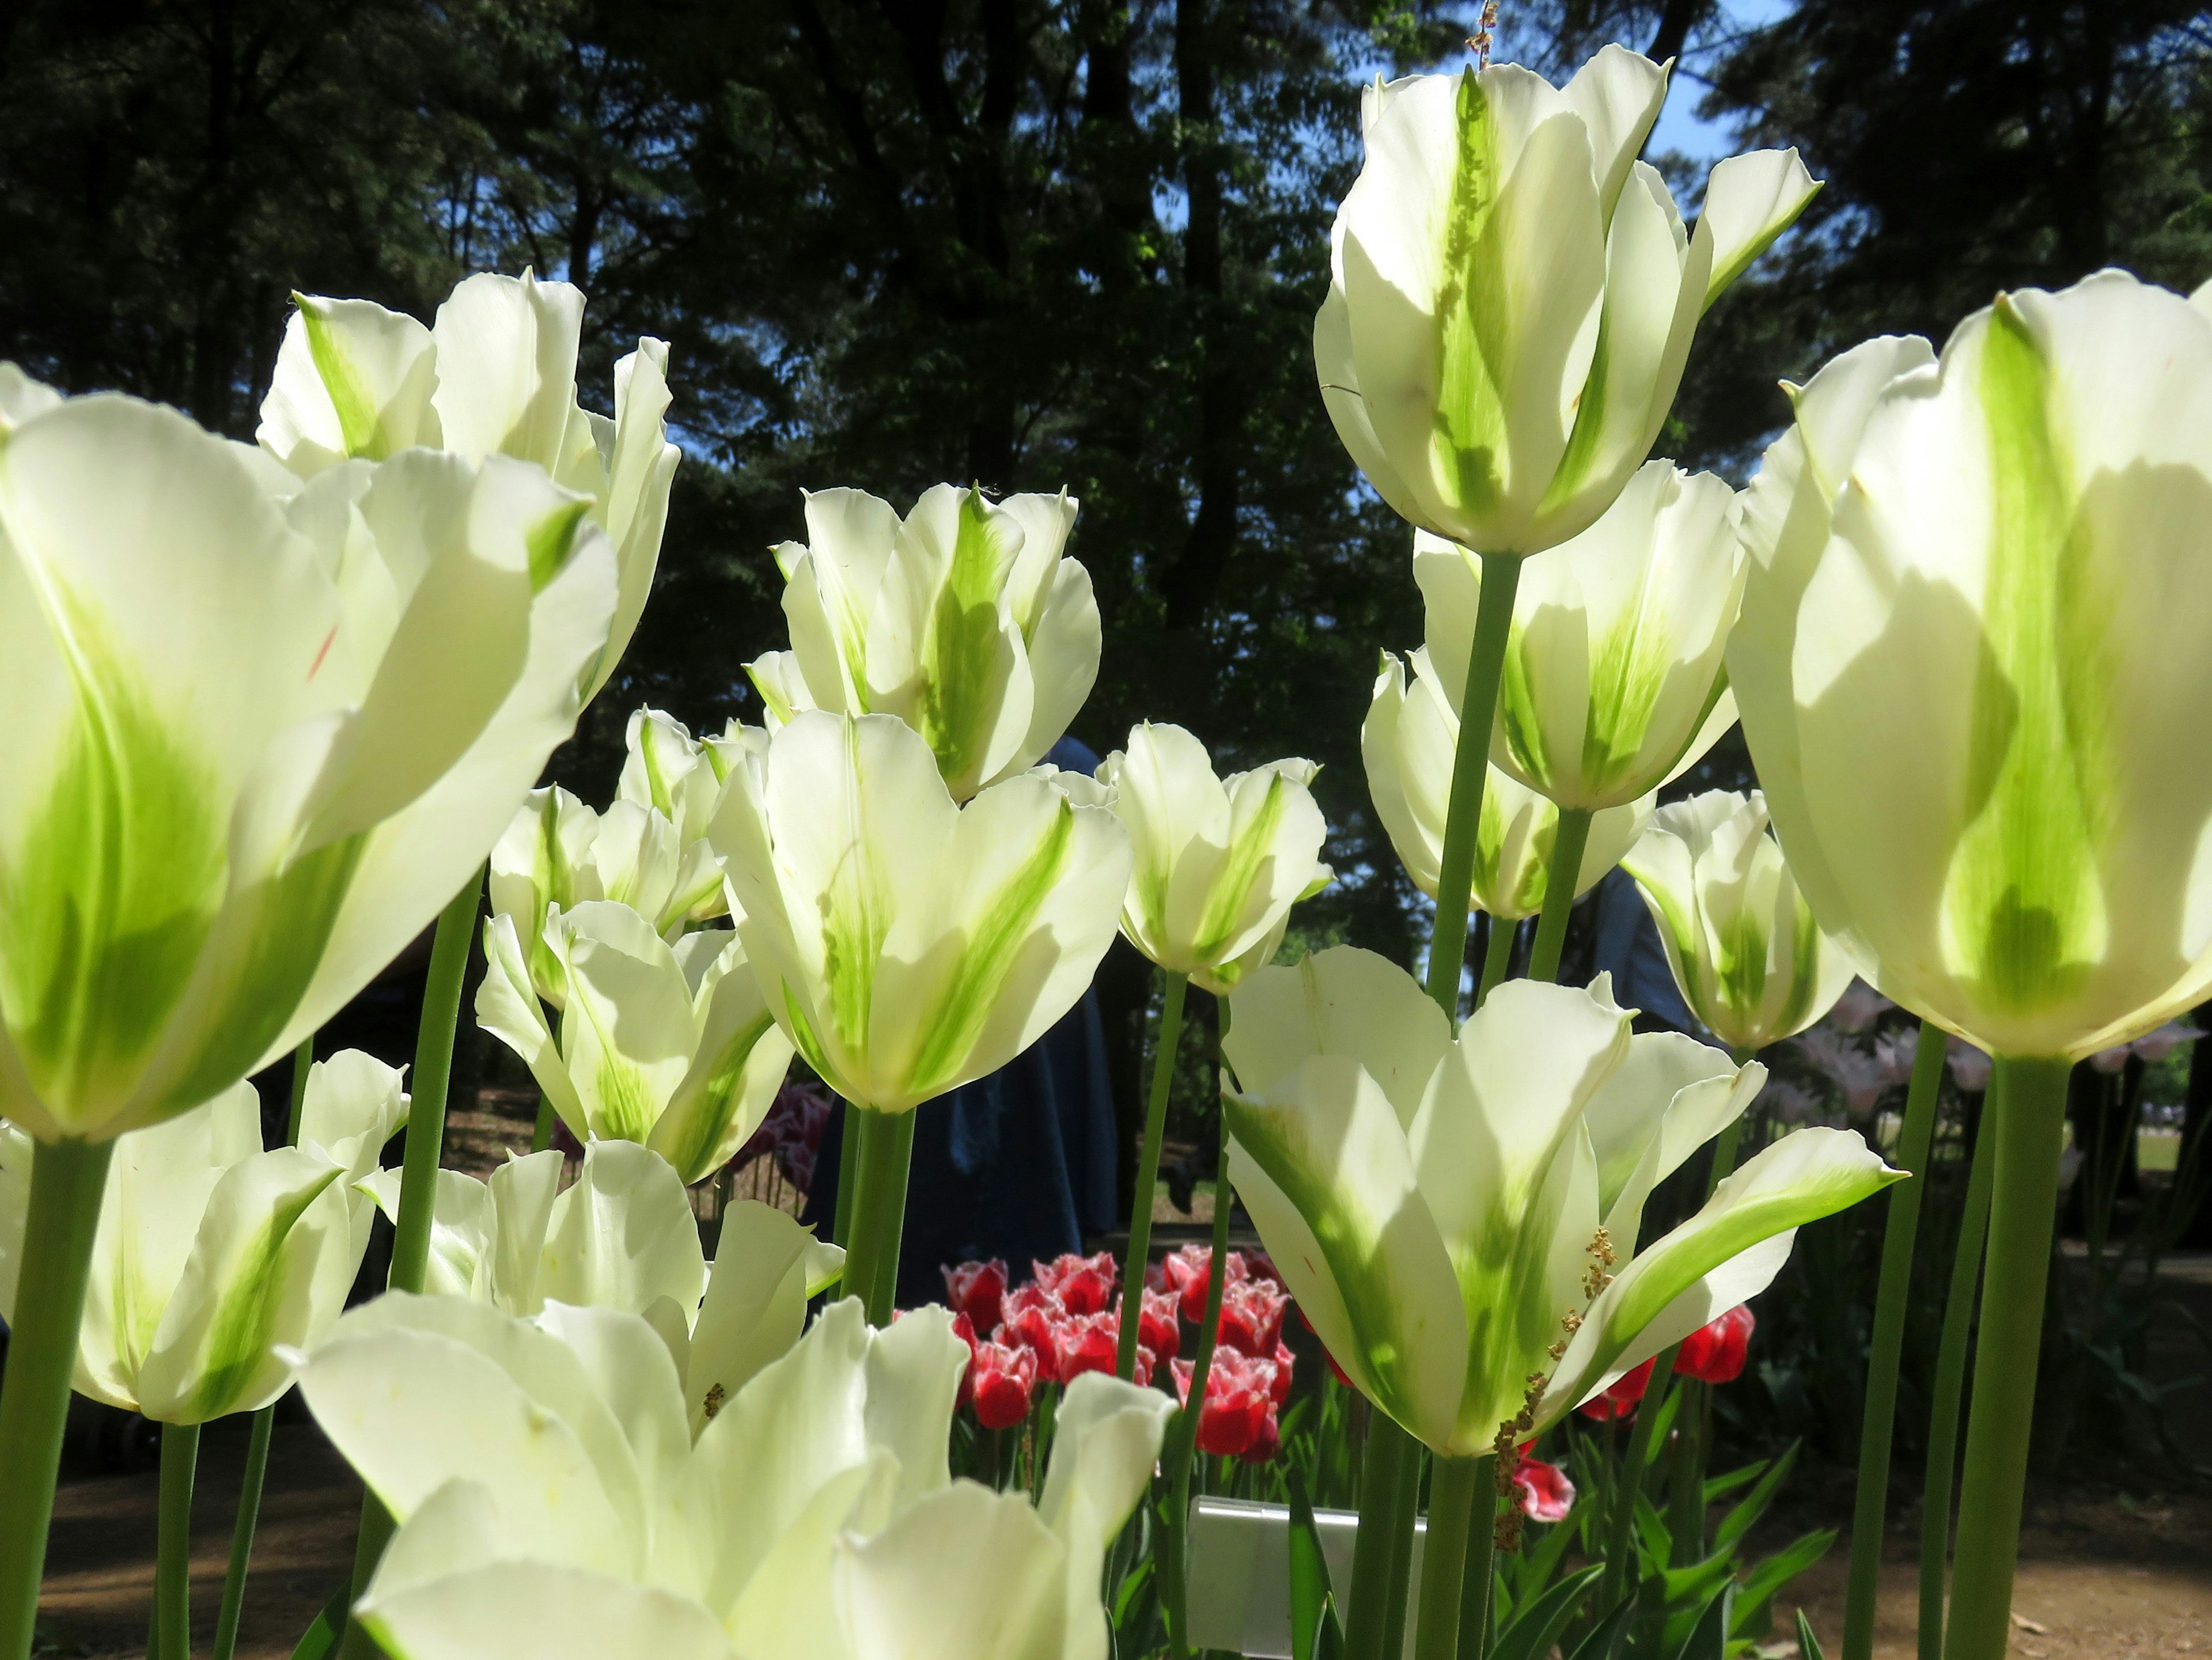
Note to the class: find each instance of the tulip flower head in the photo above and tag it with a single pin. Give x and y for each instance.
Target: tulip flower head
(495, 375)
(1748, 956)
(1081, 1285)
(1408, 742)
(1993, 562)
(212, 1254)
(1239, 1411)
(1252, 1316)
(963, 619)
(1512, 294)
(1543, 1490)
(1218, 862)
(1437, 1204)
(1715, 1353)
(905, 945)
(672, 1047)
(1620, 1398)
(1614, 678)
(552, 1499)
(1003, 1379)
(211, 849)
(977, 1290)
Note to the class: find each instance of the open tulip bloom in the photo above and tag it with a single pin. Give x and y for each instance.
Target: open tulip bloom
(1408, 742)
(671, 1046)
(1975, 642)
(1458, 1216)
(963, 619)
(1748, 956)
(1512, 294)
(212, 1254)
(495, 375)
(555, 1497)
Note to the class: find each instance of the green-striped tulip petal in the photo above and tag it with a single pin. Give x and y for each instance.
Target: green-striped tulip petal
(1748, 956)
(1973, 646)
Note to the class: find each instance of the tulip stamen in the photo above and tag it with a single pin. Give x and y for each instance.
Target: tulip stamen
(1603, 1258)
(713, 1403)
(1478, 43)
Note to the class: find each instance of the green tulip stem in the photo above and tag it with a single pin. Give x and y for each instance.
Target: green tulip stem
(849, 1178)
(1622, 1571)
(257, 1446)
(1390, 1470)
(172, 1550)
(1182, 1434)
(872, 1257)
(1497, 957)
(541, 1133)
(418, 1177)
(1568, 841)
(1138, 1256)
(67, 1179)
(1477, 1584)
(1685, 1478)
(1453, 1483)
(1892, 1293)
(1478, 710)
(2030, 1133)
(1949, 1386)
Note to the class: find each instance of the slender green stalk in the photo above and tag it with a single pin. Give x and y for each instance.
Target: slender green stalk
(1949, 1386)
(1478, 1578)
(541, 1133)
(257, 1446)
(1567, 844)
(1622, 1572)
(67, 1179)
(1135, 1259)
(886, 1152)
(1390, 1460)
(1497, 957)
(1182, 1434)
(1478, 710)
(1396, 1611)
(1685, 1478)
(1453, 1484)
(2031, 1130)
(1879, 1425)
(173, 1558)
(848, 1175)
(418, 1176)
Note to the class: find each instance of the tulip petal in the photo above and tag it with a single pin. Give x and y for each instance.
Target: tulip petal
(527, 1610)
(640, 468)
(354, 1104)
(523, 1193)
(626, 1033)
(621, 1235)
(755, 1306)
(351, 380)
(461, 1229)
(1106, 1437)
(506, 1007)
(1618, 93)
(967, 1575)
(739, 1065)
(507, 367)
(1340, 1001)
(1749, 200)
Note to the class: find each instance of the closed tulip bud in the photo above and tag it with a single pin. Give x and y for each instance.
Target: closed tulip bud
(1620, 1398)
(1158, 1331)
(1614, 680)
(1004, 1383)
(1252, 1317)
(1975, 645)
(1748, 956)
(1081, 1284)
(963, 619)
(1714, 1352)
(672, 1047)
(1218, 862)
(977, 1290)
(1544, 1491)
(1512, 294)
(1437, 1204)
(906, 945)
(212, 1256)
(254, 745)
(1239, 1408)
(1408, 743)
(496, 375)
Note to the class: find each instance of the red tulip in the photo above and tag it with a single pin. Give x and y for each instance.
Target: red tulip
(1252, 1316)
(1715, 1353)
(1084, 1284)
(1280, 1391)
(1157, 1329)
(1085, 1342)
(1239, 1407)
(1619, 1399)
(1546, 1495)
(1004, 1378)
(1030, 1317)
(1266, 1442)
(965, 1329)
(977, 1290)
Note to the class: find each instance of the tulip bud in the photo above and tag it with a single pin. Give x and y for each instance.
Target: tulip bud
(1252, 1316)
(1081, 1285)
(1620, 1398)
(1239, 1408)
(1544, 1493)
(977, 1291)
(1715, 1353)
(1005, 1380)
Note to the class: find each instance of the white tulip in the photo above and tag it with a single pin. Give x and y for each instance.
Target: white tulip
(1748, 956)
(908, 946)
(963, 619)
(1409, 741)
(254, 745)
(1512, 294)
(496, 375)
(212, 1256)
(1218, 862)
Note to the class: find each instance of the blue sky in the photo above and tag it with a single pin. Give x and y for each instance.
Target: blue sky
(1680, 127)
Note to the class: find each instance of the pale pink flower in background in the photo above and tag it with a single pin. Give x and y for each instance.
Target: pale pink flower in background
(1859, 1007)
(1970, 1066)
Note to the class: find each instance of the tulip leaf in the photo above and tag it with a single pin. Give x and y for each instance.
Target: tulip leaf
(324, 1632)
(1761, 1585)
(1535, 1631)
(1808, 1646)
(1604, 1640)
(1315, 1634)
(1740, 1519)
(1709, 1638)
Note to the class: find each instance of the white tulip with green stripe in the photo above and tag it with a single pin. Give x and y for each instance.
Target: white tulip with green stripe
(553, 1500)
(1447, 1210)
(211, 1254)
(1218, 862)
(495, 375)
(673, 1047)
(963, 619)
(1408, 743)
(908, 946)
(1614, 681)
(1748, 956)
(255, 744)
(1512, 294)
